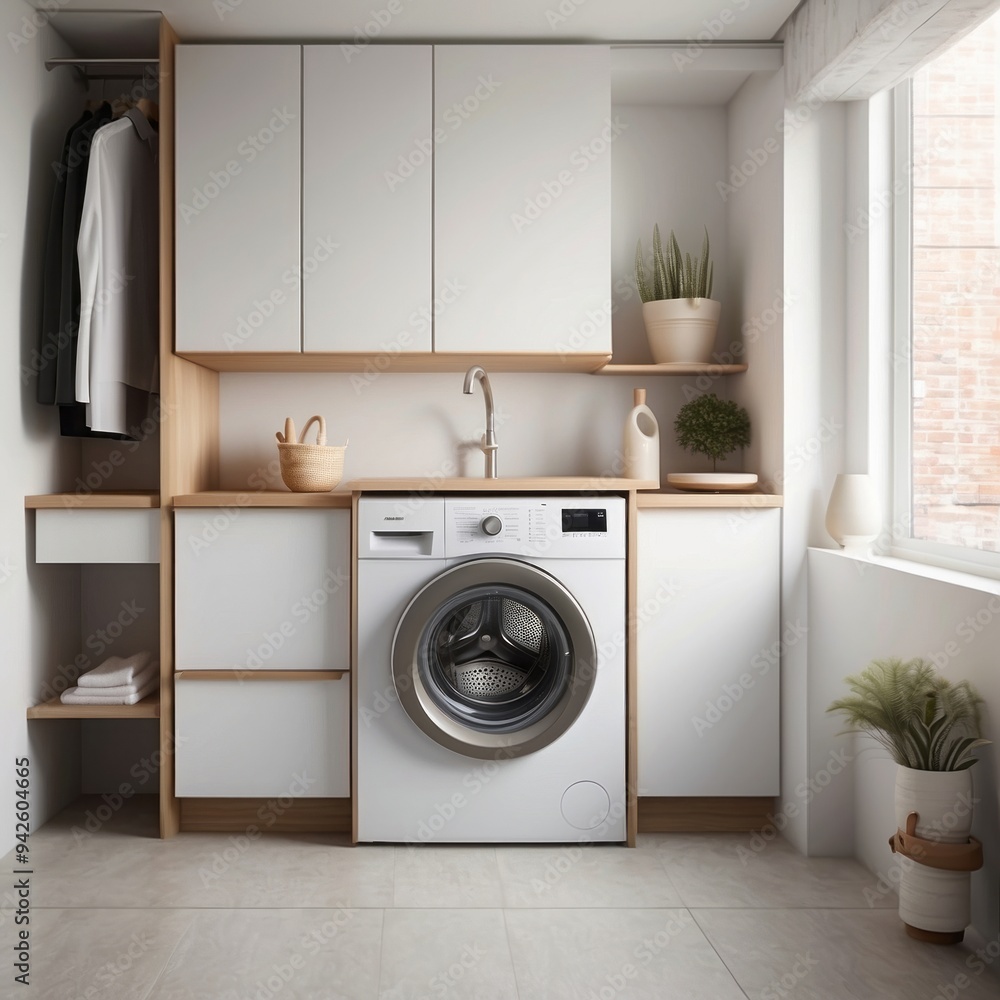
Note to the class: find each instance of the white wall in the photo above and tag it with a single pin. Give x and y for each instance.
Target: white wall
(757, 292)
(863, 611)
(37, 109)
(813, 406)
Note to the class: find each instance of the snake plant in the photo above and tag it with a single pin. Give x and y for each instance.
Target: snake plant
(675, 275)
(922, 719)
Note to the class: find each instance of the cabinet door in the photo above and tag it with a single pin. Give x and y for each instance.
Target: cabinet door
(263, 738)
(522, 198)
(237, 185)
(708, 645)
(262, 589)
(366, 199)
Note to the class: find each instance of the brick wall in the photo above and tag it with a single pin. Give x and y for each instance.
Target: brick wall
(956, 294)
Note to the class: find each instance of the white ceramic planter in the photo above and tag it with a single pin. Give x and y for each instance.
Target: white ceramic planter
(930, 899)
(681, 331)
(853, 516)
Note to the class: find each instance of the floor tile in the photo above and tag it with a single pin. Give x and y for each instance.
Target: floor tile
(428, 876)
(452, 954)
(593, 876)
(218, 870)
(111, 954)
(837, 955)
(737, 869)
(291, 954)
(624, 954)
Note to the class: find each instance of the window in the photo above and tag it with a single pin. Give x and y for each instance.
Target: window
(947, 304)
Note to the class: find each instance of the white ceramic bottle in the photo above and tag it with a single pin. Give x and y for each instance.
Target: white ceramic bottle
(642, 441)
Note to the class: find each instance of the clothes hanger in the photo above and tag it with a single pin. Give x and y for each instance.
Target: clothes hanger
(149, 108)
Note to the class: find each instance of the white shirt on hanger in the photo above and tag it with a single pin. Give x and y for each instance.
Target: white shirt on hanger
(118, 248)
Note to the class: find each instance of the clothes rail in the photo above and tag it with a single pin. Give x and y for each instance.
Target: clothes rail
(83, 65)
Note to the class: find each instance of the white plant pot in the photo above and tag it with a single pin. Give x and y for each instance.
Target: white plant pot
(930, 899)
(853, 515)
(681, 331)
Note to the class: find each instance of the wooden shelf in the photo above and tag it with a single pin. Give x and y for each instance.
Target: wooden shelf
(678, 498)
(527, 484)
(671, 369)
(148, 708)
(263, 498)
(315, 361)
(128, 499)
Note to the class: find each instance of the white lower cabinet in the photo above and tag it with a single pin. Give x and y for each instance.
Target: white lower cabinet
(708, 652)
(262, 589)
(261, 738)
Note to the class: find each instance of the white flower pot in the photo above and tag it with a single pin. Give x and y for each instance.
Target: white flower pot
(681, 331)
(931, 900)
(853, 516)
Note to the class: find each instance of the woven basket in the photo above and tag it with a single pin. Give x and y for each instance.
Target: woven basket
(311, 468)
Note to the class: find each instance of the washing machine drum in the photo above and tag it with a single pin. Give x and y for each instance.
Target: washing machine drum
(494, 658)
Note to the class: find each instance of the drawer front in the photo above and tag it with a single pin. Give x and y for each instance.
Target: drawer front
(255, 738)
(263, 589)
(97, 536)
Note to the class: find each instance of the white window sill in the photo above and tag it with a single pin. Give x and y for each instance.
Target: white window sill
(953, 577)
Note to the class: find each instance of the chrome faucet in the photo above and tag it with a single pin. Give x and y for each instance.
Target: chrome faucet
(489, 442)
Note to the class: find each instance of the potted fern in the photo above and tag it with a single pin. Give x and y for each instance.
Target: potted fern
(678, 310)
(931, 728)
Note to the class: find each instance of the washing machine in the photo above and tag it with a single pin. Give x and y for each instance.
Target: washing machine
(491, 669)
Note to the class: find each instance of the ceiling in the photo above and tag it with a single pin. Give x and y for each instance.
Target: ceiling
(536, 20)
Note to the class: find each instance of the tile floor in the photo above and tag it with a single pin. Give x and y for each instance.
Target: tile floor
(120, 914)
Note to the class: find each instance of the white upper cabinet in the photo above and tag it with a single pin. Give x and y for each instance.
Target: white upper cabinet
(522, 198)
(238, 166)
(367, 172)
(708, 652)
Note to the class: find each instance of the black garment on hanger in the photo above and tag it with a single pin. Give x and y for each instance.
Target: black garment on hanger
(69, 298)
(48, 338)
(73, 415)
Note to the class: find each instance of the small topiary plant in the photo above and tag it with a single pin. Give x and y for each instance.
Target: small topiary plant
(712, 426)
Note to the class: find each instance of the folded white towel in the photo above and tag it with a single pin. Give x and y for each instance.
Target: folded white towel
(116, 671)
(152, 672)
(92, 696)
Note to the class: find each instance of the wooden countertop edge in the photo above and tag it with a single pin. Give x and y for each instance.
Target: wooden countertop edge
(123, 500)
(649, 501)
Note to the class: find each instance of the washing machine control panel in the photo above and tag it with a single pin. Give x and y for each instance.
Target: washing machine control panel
(541, 527)
(491, 525)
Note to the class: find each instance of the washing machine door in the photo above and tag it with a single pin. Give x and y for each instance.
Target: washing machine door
(494, 658)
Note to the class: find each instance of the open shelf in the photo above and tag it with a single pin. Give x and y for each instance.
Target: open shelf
(263, 498)
(672, 368)
(148, 708)
(127, 499)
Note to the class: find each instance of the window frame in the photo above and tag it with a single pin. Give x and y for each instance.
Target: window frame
(902, 543)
